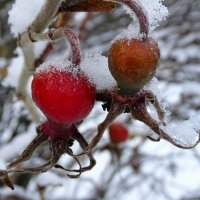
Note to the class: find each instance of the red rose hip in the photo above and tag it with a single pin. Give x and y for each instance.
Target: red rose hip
(65, 96)
(118, 133)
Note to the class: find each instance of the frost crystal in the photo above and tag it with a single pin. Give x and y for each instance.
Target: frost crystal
(95, 66)
(156, 12)
(62, 66)
(23, 13)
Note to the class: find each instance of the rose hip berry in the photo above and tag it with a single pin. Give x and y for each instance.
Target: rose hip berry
(118, 133)
(133, 63)
(64, 97)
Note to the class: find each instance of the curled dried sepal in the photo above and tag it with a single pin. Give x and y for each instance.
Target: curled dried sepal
(87, 6)
(135, 104)
(58, 147)
(141, 114)
(27, 153)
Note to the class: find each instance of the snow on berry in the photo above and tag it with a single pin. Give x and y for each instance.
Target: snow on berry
(156, 13)
(62, 93)
(95, 66)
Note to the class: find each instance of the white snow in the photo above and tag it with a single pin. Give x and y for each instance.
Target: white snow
(22, 14)
(14, 70)
(184, 54)
(155, 10)
(19, 143)
(154, 86)
(129, 33)
(61, 66)
(95, 66)
(156, 13)
(18, 193)
(48, 178)
(185, 131)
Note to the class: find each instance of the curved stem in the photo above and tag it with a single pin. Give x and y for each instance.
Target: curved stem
(75, 45)
(140, 14)
(74, 41)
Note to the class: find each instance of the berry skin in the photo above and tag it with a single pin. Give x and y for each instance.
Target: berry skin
(118, 133)
(133, 63)
(63, 97)
(54, 131)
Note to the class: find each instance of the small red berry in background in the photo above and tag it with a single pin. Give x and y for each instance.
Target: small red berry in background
(133, 62)
(118, 133)
(63, 96)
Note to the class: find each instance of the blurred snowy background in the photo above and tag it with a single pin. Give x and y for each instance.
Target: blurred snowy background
(142, 169)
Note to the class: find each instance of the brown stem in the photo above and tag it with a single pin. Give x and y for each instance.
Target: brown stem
(86, 6)
(82, 28)
(140, 14)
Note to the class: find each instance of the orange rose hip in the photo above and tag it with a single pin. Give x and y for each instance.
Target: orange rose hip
(133, 62)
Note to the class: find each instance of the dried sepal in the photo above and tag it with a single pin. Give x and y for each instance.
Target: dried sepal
(6, 179)
(87, 6)
(140, 113)
(27, 153)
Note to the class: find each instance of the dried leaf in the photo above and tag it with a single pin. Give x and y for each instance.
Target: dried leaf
(87, 6)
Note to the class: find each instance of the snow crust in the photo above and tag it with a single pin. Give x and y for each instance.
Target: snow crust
(156, 13)
(95, 66)
(186, 131)
(22, 14)
(153, 86)
(155, 10)
(62, 66)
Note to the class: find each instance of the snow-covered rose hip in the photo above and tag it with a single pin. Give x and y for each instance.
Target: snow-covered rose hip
(133, 61)
(62, 93)
(60, 89)
(66, 96)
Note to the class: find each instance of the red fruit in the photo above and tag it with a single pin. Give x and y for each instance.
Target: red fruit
(63, 96)
(118, 133)
(133, 63)
(55, 131)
